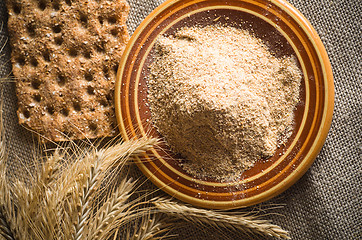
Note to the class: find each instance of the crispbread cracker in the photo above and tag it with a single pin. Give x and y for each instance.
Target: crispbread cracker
(65, 55)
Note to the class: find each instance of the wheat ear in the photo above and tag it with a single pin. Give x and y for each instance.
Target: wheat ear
(113, 156)
(26, 206)
(50, 170)
(111, 210)
(6, 207)
(247, 224)
(5, 231)
(117, 210)
(46, 204)
(153, 226)
(7, 213)
(36, 203)
(97, 165)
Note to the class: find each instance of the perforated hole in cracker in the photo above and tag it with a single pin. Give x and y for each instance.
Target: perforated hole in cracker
(93, 126)
(46, 56)
(90, 90)
(58, 40)
(112, 20)
(77, 107)
(50, 110)
(42, 5)
(56, 5)
(57, 29)
(20, 60)
(103, 103)
(114, 31)
(88, 76)
(65, 112)
(37, 97)
(73, 52)
(83, 19)
(36, 83)
(26, 113)
(61, 80)
(34, 62)
(106, 72)
(31, 29)
(87, 54)
(16, 8)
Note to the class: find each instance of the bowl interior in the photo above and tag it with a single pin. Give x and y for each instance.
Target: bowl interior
(285, 33)
(276, 43)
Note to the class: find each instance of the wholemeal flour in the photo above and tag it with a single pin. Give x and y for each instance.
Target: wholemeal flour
(221, 99)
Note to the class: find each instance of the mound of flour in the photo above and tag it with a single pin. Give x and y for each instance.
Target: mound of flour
(221, 99)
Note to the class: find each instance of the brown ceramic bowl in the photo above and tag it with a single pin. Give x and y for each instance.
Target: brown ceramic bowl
(288, 32)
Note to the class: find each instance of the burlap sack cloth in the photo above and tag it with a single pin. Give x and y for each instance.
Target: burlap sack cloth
(326, 202)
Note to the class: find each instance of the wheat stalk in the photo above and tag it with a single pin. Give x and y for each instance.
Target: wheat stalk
(247, 224)
(42, 191)
(99, 163)
(153, 226)
(86, 194)
(122, 215)
(50, 170)
(111, 210)
(26, 205)
(7, 227)
(36, 202)
(5, 231)
(6, 207)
